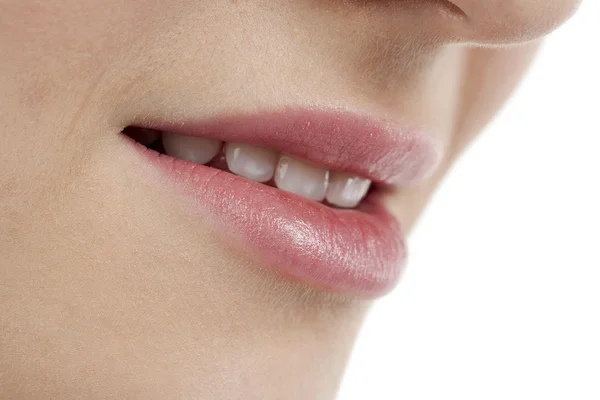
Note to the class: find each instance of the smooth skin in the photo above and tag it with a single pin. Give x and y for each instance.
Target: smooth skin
(108, 288)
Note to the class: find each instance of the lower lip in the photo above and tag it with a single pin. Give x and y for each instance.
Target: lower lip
(356, 252)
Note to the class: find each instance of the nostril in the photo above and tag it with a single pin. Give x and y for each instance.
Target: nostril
(447, 7)
(452, 8)
(508, 22)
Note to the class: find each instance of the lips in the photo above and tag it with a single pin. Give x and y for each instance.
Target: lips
(310, 163)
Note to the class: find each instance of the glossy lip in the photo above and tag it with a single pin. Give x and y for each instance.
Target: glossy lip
(357, 252)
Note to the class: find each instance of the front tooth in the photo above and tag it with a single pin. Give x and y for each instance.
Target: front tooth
(346, 191)
(302, 179)
(250, 162)
(198, 150)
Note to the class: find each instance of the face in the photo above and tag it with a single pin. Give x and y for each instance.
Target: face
(200, 198)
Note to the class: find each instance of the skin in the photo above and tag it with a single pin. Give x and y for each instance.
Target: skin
(108, 289)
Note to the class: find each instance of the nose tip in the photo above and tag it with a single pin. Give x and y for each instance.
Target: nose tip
(512, 21)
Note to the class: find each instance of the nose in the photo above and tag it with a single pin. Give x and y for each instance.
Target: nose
(510, 21)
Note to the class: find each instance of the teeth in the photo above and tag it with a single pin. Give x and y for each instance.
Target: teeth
(198, 150)
(260, 165)
(346, 191)
(250, 162)
(302, 179)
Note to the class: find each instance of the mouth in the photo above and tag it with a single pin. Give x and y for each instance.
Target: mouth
(301, 191)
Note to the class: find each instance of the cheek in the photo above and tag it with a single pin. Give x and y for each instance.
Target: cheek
(510, 21)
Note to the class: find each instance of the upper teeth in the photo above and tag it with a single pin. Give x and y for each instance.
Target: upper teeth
(262, 165)
(250, 162)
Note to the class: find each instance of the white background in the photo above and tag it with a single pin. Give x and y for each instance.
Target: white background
(502, 296)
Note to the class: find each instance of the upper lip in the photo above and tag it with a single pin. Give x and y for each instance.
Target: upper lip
(382, 151)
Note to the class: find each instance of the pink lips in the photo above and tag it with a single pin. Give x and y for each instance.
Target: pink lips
(358, 252)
